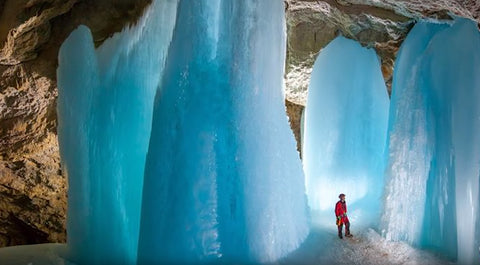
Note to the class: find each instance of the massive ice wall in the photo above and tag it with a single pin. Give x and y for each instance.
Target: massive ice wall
(223, 181)
(345, 129)
(105, 106)
(432, 194)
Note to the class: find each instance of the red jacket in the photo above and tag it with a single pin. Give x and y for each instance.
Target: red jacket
(341, 210)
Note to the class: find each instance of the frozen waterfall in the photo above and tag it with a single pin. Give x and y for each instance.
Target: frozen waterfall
(432, 191)
(217, 170)
(105, 106)
(345, 131)
(223, 180)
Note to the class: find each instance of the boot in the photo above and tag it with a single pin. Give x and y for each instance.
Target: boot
(340, 231)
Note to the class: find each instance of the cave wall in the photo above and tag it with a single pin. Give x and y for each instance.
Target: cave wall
(32, 188)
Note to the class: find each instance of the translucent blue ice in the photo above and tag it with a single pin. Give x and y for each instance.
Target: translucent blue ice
(432, 192)
(223, 180)
(346, 120)
(105, 109)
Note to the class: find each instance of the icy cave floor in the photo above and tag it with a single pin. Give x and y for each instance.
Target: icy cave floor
(321, 247)
(366, 247)
(40, 254)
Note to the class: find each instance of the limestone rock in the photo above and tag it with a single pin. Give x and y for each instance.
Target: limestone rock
(33, 197)
(295, 112)
(23, 41)
(437, 9)
(312, 25)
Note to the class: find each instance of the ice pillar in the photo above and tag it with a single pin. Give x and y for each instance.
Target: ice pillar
(345, 130)
(223, 180)
(434, 147)
(105, 107)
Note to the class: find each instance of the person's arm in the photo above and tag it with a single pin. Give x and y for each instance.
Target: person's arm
(338, 209)
(338, 213)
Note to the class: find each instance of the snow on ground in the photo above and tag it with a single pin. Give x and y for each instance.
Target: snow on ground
(41, 254)
(322, 247)
(366, 247)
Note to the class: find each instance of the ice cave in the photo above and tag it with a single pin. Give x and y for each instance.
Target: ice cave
(177, 145)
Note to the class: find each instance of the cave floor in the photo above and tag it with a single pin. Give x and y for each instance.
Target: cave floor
(366, 247)
(321, 247)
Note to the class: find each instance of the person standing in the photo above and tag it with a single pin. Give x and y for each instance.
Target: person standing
(341, 213)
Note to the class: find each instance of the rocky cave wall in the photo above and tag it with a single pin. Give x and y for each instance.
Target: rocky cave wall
(32, 188)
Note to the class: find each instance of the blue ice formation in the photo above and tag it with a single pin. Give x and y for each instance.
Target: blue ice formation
(223, 181)
(346, 120)
(105, 106)
(217, 170)
(432, 191)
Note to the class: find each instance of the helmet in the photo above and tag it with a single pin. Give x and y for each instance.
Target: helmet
(341, 194)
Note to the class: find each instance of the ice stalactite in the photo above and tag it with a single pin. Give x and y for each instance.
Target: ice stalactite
(105, 109)
(345, 130)
(432, 192)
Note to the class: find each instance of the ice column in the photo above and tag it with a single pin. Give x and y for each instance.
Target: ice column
(345, 130)
(434, 146)
(409, 158)
(105, 107)
(223, 180)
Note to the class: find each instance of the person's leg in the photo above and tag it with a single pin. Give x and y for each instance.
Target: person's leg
(340, 228)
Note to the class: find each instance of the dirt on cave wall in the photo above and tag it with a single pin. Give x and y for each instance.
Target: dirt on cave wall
(32, 188)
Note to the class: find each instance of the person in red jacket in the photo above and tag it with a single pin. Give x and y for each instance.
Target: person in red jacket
(341, 213)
